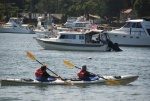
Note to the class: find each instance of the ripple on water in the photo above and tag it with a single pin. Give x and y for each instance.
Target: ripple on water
(15, 64)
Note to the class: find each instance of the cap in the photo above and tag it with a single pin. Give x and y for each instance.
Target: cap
(84, 67)
(43, 67)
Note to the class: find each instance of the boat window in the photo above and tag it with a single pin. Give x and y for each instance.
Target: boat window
(71, 19)
(148, 30)
(81, 37)
(139, 25)
(79, 25)
(67, 37)
(134, 25)
(128, 25)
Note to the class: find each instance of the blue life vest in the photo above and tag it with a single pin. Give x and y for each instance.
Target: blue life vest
(90, 78)
(42, 79)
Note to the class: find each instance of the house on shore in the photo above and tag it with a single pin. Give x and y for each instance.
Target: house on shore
(32, 17)
(127, 14)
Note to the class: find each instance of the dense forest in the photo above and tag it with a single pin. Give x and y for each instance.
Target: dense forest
(103, 8)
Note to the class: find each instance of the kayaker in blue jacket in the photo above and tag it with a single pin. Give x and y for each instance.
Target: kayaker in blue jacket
(42, 75)
(83, 74)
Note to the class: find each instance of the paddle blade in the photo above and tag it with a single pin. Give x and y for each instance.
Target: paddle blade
(68, 83)
(67, 63)
(30, 55)
(112, 82)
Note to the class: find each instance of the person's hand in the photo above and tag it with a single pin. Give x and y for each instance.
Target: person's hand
(58, 77)
(98, 75)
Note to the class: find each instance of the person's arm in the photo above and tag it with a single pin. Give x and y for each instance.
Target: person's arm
(54, 76)
(88, 74)
(46, 75)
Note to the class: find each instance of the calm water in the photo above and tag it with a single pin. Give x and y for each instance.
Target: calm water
(15, 64)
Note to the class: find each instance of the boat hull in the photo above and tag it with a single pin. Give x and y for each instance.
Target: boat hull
(107, 80)
(51, 45)
(44, 34)
(135, 32)
(16, 30)
(130, 40)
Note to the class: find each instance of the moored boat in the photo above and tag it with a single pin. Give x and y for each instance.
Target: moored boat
(89, 40)
(15, 25)
(134, 33)
(72, 20)
(105, 80)
(44, 27)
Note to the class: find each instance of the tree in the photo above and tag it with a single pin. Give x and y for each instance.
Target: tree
(9, 8)
(103, 8)
(112, 8)
(142, 8)
(2, 10)
(90, 7)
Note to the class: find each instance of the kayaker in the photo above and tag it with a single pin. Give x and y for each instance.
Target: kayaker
(42, 75)
(83, 74)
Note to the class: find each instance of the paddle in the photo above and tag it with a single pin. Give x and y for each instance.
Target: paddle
(33, 58)
(110, 82)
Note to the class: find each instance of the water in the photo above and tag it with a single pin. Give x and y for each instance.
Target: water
(15, 64)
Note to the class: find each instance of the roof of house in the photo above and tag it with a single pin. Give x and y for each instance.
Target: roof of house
(36, 15)
(58, 16)
(126, 11)
(94, 16)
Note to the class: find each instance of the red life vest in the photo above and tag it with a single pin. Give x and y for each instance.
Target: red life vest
(81, 74)
(39, 73)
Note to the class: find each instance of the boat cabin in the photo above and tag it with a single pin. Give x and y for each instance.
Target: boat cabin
(16, 20)
(13, 22)
(90, 37)
(70, 21)
(44, 23)
(81, 25)
(135, 27)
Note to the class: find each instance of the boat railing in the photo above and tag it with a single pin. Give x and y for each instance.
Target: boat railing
(132, 32)
(107, 28)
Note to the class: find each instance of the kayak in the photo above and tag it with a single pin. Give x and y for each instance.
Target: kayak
(107, 80)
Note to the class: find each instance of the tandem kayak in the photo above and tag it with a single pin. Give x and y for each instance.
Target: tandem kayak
(107, 80)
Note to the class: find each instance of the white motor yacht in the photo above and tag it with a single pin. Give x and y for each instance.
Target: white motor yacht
(70, 20)
(44, 27)
(77, 23)
(134, 33)
(14, 25)
(91, 40)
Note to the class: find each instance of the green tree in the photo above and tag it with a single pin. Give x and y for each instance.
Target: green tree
(2, 10)
(103, 8)
(112, 8)
(142, 8)
(9, 8)
(90, 7)
(49, 6)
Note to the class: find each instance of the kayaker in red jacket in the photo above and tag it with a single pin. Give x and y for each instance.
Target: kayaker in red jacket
(42, 75)
(83, 74)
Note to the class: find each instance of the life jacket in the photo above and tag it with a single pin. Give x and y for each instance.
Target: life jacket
(39, 73)
(81, 74)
